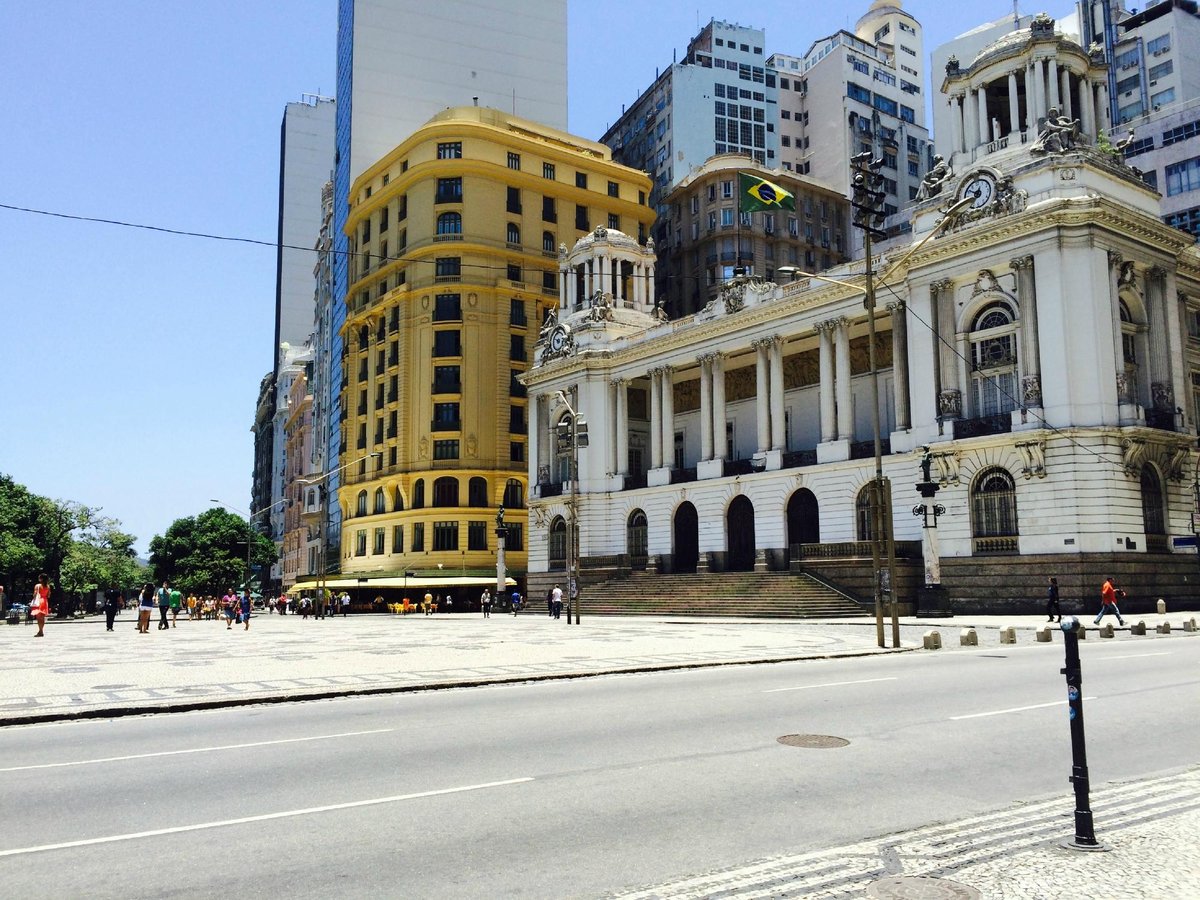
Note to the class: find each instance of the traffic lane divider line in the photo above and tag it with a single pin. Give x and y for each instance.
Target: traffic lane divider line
(1014, 709)
(809, 687)
(265, 817)
(108, 759)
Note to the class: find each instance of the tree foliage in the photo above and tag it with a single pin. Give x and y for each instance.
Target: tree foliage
(207, 553)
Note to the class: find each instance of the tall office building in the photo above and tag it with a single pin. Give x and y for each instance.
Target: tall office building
(401, 61)
(855, 92)
(720, 98)
(305, 145)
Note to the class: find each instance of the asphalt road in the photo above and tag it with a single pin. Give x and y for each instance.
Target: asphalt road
(571, 789)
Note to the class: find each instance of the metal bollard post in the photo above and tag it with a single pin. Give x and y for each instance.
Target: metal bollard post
(1085, 834)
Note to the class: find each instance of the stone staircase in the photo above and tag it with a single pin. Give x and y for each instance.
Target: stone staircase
(741, 594)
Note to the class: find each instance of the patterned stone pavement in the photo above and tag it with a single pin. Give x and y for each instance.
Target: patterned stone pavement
(1148, 828)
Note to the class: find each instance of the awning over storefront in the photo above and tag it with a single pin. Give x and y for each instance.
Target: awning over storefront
(413, 583)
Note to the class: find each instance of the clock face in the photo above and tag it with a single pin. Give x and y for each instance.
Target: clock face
(558, 338)
(982, 188)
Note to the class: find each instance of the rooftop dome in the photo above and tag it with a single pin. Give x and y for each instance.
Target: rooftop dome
(602, 235)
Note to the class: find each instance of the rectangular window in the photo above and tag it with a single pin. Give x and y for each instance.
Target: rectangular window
(446, 417)
(418, 541)
(1129, 84)
(548, 170)
(726, 217)
(445, 536)
(908, 114)
(726, 189)
(1183, 176)
(1180, 133)
(450, 150)
(397, 538)
(1162, 98)
(477, 535)
(447, 308)
(516, 420)
(446, 380)
(614, 189)
(447, 343)
(515, 539)
(514, 200)
(516, 347)
(380, 534)
(885, 105)
(516, 312)
(514, 161)
(360, 542)
(581, 218)
(1159, 45)
(1159, 71)
(581, 180)
(855, 92)
(449, 190)
(445, 449)
(549, 212)
(614, 221)
(447, 267)
(383, 225)
(516, 452)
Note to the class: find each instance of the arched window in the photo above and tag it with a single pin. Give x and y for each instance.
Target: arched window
(636, 538)
(449, 223)
(419, 494)
(548, 241)
(558, 544)
(994, 378)
(398, 505)
(445, 492)
(380, 502)
(514, 494)
(362, 504)
(1154, 518)
(477, 492)
(1129, 354)
(864, 515)
(994, 512)
(514, 233)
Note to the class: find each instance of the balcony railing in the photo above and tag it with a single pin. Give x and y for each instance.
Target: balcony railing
(551, 488)
(852, 550)
(866, 449)
(1162, 419)
(682, 476)
(797, 458)
(998, 424)
(736, 467)
(448, 425)
(995, 546)
(1158, 543)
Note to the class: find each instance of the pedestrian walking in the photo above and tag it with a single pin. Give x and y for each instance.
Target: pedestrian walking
(39, 608)
(427, 603)
(227, 606)
(516, 602)
(1052, 608)
(164, 604)
(485, 603)
(246, 609)
(550, 602)
(176, 602)
(449, 604)
(556, 601)
(145, 608)
(345, 603)
(1109, 595)
(113, 601)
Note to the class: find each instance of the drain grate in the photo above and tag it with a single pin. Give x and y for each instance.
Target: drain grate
(912, 887)
(813, 741)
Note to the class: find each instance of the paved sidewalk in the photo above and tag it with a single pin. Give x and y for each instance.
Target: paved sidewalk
(1148, 828)
(80, 669)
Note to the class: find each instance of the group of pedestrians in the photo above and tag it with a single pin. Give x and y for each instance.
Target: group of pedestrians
(1109, 595)
(486, 601)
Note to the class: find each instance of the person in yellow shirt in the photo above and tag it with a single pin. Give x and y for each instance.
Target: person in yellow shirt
(427, 603)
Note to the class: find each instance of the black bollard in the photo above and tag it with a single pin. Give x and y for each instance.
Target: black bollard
(1085, 834)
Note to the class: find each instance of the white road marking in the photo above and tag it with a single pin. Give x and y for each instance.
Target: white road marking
(1133, 656)
(1001, 712)
(107, 759)
(266, 817)
(807, 687)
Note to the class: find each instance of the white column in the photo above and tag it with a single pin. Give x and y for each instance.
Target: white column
(1087, 105)
(762, 414)
(706, 410)
(587, 276)
(900, 365)
(1103, 117)
(778, 438)
(828, 410)
(1052, 79)
(655, 418)
(985, 123)
(971, 133)
(956, 121)
(1027, 119)
(618, 288)
(563, 286)
(649, 298)
(964, 376)
(622, 387)
(606, 270)
(841, 363)
(572, 287)
(637, 283)
(718, 368)
(668, 416)
(1068, 105)
(1031, 377)
(1014, 104)
(1039, 93)
(533, 446)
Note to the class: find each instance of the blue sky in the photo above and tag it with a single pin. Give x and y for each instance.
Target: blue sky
(130, 360)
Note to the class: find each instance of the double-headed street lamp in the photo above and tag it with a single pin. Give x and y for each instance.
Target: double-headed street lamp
(322, 493)
(250, 517)
(572, 433)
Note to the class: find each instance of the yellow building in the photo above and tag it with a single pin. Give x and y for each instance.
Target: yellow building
(455, 237)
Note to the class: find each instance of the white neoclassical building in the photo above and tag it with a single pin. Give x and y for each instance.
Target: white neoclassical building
(1043, 343)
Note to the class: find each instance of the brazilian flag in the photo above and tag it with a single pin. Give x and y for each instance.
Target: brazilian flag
(759, 194)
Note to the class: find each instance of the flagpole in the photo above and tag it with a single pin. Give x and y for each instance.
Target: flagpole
(738, 226)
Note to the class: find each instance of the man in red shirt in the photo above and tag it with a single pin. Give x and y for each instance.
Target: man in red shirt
(1109, 594)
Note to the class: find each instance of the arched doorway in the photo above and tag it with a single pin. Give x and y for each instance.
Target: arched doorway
(739, 531)
(636, 536)
(803, 518)
(687, 539)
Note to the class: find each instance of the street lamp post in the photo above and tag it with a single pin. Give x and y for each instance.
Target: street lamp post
(250, 517)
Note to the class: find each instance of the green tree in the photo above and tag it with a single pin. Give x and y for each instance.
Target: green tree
(101, 555)
(207, 553)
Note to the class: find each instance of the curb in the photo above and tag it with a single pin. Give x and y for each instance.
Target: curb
(273, 699)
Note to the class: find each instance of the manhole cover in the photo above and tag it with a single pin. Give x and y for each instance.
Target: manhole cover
(914, 887)
(813, 741)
